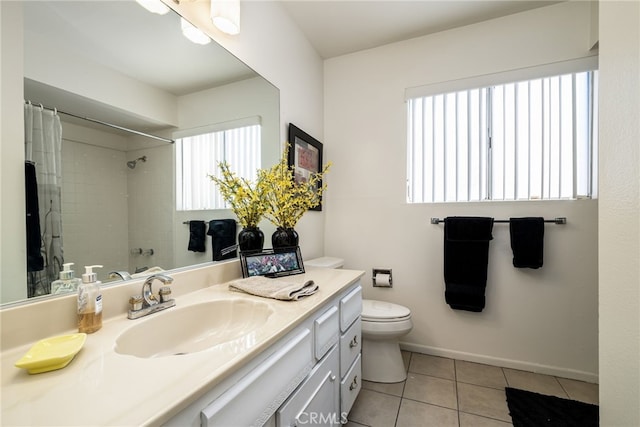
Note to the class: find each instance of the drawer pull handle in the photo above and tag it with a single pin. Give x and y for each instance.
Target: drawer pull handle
(354, 342)
(354, 383)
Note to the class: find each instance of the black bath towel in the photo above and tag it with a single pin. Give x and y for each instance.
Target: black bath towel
(35, 260)
(197, 236)
(527, 241)
(466, 256)
(223, 236)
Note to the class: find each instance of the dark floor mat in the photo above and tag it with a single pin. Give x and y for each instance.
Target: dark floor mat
(529, 409)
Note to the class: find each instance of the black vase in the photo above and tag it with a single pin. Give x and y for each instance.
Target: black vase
(250, 239)
(284, 238)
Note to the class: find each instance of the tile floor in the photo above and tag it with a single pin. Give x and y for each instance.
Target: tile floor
(445, 392)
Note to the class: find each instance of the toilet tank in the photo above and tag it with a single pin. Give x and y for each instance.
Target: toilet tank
(325, 262)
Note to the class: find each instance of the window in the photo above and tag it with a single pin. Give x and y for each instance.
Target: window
(528, 140)
(198, 156)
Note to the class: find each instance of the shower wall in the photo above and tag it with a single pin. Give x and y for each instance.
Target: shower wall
(94, 199)
(108, 208)
(151, 208)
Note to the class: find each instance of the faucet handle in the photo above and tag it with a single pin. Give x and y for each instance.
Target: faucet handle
(135, 303)
(165, 293)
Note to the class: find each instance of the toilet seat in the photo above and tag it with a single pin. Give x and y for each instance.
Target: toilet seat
(382, 311)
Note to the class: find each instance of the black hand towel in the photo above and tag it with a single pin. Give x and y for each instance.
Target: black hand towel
(197, 235)
(527, 241)
(223, 235)
(466, 256)
(35, 260)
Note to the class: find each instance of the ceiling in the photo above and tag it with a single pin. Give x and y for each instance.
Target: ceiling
(338, 27)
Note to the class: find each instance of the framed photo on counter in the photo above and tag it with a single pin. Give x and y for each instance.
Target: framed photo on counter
(270, 263)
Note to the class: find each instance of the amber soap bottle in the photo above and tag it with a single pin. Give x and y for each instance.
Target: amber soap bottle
(89, 302)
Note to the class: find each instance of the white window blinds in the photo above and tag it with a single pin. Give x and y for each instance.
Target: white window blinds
(534, 139)
(198, 156)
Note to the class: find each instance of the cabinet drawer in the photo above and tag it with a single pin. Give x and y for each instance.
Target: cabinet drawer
(350, 346)
(350, 386)
(325, 331)
(317, 398)
(350, 308)
(254, 399)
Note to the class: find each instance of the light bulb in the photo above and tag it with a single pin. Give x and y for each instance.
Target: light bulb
(192, 33)
(225, 14)
(154, 6)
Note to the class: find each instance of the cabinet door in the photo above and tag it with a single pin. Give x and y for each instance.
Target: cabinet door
(253, 399)
(316, 401)
(326, 331)
(350, 308)
(350, 386)
(350, 346)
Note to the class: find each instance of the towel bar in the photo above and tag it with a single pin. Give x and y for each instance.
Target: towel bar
(559, 220)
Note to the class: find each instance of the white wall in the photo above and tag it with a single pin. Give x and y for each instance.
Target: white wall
(13, 257)
(619, 216)
(256, 97)
(272, 45)
(543, 320)
(236, 101)
(142, 100)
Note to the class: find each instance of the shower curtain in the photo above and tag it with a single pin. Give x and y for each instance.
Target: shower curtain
(43, 148)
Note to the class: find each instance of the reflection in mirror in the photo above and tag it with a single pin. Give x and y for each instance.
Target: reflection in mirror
(117, 63)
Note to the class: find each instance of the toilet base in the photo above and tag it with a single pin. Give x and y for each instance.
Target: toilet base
(382, 361)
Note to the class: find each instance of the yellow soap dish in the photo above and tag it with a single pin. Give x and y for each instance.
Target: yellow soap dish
(51, 353)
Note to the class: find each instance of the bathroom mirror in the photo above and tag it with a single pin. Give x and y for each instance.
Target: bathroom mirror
(115, 62)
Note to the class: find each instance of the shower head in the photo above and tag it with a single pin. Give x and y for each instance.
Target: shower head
(132, 163)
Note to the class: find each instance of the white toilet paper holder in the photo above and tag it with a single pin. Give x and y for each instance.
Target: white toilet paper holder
(377, 271)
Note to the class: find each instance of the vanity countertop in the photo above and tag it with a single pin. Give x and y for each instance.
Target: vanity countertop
(102, 387)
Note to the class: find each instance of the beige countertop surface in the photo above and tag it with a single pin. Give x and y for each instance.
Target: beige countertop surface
(102, 387)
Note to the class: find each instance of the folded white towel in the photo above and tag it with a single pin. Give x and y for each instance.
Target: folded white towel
(274, 288)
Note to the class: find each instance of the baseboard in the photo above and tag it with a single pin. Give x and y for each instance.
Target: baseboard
(503, 363)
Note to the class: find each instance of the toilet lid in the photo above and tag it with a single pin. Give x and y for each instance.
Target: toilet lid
(382, 310)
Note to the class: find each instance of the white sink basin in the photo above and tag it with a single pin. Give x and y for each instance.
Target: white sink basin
(228, 324)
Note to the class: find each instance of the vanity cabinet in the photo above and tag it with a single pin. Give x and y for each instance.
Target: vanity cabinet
(310, 376)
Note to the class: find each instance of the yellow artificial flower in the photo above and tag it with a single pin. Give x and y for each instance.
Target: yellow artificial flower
(285, 199)
(275, 195)
(246, 200)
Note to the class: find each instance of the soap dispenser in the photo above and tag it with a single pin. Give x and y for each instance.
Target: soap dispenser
(67, 282)
(89, 301)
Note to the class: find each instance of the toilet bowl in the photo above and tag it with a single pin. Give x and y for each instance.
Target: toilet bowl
(383, 323)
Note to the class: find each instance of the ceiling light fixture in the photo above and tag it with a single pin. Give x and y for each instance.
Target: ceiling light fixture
(154, 6)
(225, 14)
(193, 33)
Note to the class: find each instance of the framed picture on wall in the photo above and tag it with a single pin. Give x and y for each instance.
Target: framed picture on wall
(305, 156)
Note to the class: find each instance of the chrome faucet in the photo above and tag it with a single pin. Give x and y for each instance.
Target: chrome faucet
(149, 303)
(122, 274)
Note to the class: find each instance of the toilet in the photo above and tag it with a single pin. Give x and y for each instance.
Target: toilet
(383, 324)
